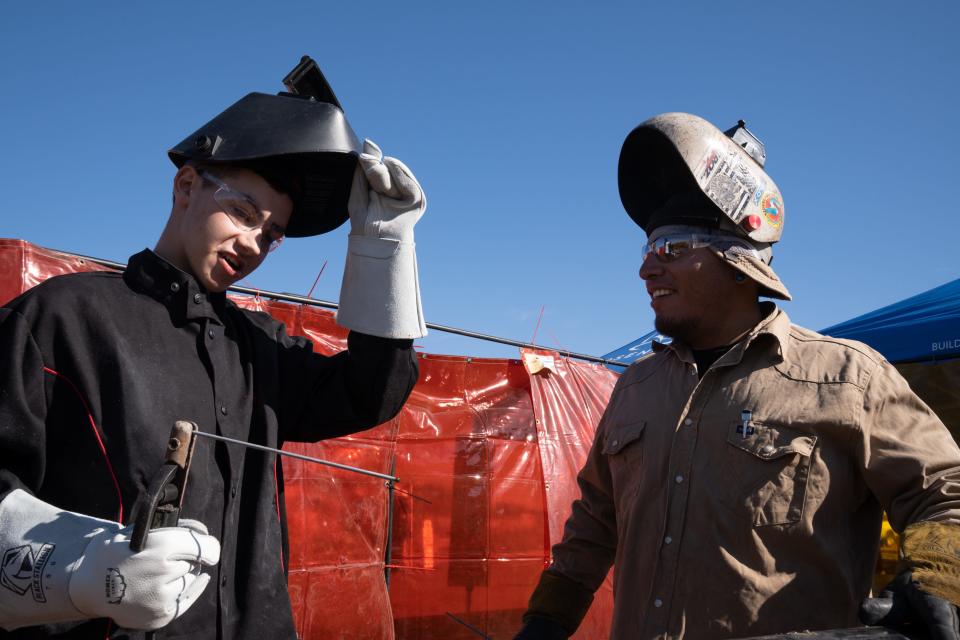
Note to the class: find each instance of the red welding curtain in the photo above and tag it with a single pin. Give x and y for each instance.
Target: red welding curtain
(568, 403)
(487, 457)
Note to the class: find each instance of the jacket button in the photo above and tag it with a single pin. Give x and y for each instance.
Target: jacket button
(667, 540)
(223, 581)
(197, 298)
(223, 409)
(678, 479)
(658, 603)
(233, 491)
(614, 443)
(174, 286)
(210, 333)
(688, 422)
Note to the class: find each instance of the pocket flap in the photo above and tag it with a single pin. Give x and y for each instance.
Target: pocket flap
(770, 441)
(621, 435)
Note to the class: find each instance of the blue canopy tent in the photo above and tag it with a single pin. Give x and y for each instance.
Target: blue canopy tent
(921, 337)
(924, 328)
(635, 350)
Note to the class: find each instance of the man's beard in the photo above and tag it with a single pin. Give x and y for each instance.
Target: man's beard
(677, 328)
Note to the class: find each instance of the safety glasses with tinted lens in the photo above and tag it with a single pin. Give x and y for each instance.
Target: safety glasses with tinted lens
(671, 247)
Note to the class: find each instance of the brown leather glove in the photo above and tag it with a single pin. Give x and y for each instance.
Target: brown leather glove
(926, 592)
(556, 608)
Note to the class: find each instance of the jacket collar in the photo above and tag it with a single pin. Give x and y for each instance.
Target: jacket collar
(771, 333)
(183, 296)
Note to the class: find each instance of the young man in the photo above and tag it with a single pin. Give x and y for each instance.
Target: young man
(98, 366)
(739, 474)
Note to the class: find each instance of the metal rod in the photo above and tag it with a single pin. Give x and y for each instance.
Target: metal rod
(414, 496)
(279, 452)
(469, 626)
(326, 304)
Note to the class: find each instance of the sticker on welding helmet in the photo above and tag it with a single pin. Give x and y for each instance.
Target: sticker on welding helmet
(730, 184)
(728, 181)
(707, 165)
(723, 190)
(758, 194)
(772, 209)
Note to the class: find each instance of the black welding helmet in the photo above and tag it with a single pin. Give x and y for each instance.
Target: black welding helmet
(302, 133)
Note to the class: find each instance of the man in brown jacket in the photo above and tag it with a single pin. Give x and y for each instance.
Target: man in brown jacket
(739, 474)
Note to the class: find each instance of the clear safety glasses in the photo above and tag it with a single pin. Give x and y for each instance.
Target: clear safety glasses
(671, 247)
(244, 214)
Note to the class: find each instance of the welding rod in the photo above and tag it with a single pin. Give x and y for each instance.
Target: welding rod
(280, 452)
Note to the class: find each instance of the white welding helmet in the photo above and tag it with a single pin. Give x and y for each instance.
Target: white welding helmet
(678, 169)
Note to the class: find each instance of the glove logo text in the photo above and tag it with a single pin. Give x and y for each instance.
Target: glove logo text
(22, 570)
(115, 586)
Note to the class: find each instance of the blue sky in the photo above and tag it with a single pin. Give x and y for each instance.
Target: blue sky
(511, 114)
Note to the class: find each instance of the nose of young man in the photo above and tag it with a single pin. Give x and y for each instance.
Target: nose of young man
(250, 246)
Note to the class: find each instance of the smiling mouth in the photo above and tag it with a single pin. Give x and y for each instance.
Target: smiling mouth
(659, 293)
(230, 262)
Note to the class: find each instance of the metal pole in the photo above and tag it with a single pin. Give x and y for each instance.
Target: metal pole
(326, 304)
(388, 556)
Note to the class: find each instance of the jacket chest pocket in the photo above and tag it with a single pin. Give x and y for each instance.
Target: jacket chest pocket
(772, 463)
(623, 448)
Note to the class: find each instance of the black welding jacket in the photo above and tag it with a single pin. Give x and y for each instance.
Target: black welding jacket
(98, 366)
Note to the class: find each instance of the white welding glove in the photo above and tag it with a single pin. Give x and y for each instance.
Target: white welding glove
(60, 566)
(380, 295)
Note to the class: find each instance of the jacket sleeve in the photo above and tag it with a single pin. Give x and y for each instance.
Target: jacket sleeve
(910, 461)
(354, 390)
(22, 407)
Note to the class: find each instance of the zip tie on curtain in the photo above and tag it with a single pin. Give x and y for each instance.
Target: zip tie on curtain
(310, 293)
(533, 340)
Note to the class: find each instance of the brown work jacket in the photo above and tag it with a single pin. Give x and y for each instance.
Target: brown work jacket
(723, 524)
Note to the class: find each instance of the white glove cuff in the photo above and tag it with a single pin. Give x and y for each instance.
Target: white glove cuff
(40, 547)
(380, 295)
